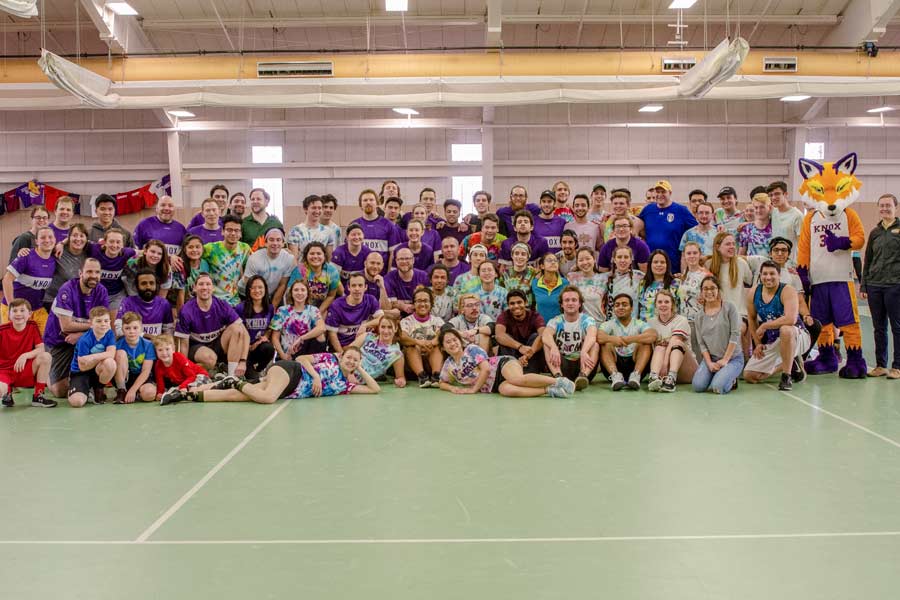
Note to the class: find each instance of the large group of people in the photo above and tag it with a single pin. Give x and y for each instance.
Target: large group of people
(517, 298)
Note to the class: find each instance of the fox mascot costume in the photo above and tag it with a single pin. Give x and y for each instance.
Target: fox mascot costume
(830, 231)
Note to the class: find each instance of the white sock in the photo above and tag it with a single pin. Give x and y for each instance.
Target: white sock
(232, 367)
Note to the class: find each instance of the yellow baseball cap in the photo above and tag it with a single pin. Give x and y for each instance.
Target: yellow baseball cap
(662, 183)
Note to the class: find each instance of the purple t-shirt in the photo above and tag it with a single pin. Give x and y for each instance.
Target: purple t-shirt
(155, 314)
(171, 234)
(380, 235)
(204, 326)
(111, 268)
(639, 250)
(421, 261)
(537, 244)
(505, 214)
(550, 229)
(452, 231)
(372, 290)
(207, 235)
(348, 264)
(33, 275)
(430, 222)
(346, 319)
(397, 289)
(460, 268)
(198, 220)
(258, 323)
(70, 302)
(59, 232)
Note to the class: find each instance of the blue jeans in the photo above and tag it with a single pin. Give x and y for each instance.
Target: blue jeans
(884, 302)
(722, 380)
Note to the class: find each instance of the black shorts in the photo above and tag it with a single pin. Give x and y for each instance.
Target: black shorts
(499, 377)
(215, 346)
(294, 371)
(625, 365)
(61, 361)
(132, 377)
(83, 381)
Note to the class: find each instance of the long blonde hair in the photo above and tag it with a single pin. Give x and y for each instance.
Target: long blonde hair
(715, 261)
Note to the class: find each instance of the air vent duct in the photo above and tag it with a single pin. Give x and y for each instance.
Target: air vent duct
(303, 68)
(780, 64)
(678, 65)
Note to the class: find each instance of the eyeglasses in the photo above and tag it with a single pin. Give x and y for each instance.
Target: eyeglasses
(780, 250)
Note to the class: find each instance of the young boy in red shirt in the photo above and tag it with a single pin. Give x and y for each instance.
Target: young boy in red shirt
(174, 370)
(23, 361)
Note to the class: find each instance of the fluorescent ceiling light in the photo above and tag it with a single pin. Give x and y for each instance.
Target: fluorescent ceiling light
(122, 8)
(396, 5)
(406, 111)
(182, 114)
(682, 3)
(881, 109)
(798, 98)
(651, 108)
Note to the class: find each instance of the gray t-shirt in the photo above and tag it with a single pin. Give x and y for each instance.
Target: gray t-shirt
(67, 267)
(272, 269)
(713, 333)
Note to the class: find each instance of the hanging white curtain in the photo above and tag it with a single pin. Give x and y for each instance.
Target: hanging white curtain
(87, 86)
(717, 66)
(19, 8)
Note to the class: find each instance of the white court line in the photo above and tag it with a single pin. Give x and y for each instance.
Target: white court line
(212, 472)
(427, 541)
(883, 438)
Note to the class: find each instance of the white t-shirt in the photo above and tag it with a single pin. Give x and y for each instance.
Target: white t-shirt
(677, 325)
(787, 225)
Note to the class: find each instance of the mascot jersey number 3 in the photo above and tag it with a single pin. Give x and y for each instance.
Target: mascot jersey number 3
(830, 231)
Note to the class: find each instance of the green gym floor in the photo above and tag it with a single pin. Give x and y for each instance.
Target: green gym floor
(420, 494)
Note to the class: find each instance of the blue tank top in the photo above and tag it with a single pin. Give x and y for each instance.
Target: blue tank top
(769, 311)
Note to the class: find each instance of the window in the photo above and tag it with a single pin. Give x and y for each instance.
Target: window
(465, 152)
(463, 189)
(814, 150)
(266, 154)
(274, 188)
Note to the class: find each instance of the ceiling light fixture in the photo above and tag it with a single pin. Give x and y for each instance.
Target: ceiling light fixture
(181, 114)
(651, 108)
(406, 111)
(797, 98)
(122, 8)
(396, 5)
(881, 109)
(682, 4)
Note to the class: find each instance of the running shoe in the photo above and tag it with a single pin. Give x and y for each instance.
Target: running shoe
(798, 372)
(171, 396)
(634, 381)
(668, 384)
(618, 381)
(785, 384)
(424, 381)
(566, 385)
(228, 382)
(8, 400)
(41, 401)
(581, 382)
(655, 383)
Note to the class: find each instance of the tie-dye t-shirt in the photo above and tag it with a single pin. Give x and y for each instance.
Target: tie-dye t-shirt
(320, 285)
(294, 323)
(493, 302)
(465, 372)
(520, 280)
(226, 267)
(377, 357)
(689, 294)
(593, 290)
(419, 329)
(755, 241)
(647, 298)
(334, 383)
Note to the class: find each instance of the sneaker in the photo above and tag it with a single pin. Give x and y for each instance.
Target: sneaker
(171, 396)
(634, 381)
(655, 383)
(668, 384)
(8, 400)
(566, 385)
(435, 381)
(227, 382)
(99, 395)
(120, 396)
(203, 379)
(618, 381)
(877, 372)
(424, 381)
(785, 385)
(581, 382)
(41, 401)
(556, 391)
(798, 372)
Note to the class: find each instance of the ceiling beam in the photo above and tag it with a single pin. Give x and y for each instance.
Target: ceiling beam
(494, 30)
(814, 110)
(463, 20)
(863, 20)
(122, 34)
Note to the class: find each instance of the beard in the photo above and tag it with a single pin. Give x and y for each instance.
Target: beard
(146, 295)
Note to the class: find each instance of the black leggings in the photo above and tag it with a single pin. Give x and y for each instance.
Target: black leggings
(260, 357)
(312, 346)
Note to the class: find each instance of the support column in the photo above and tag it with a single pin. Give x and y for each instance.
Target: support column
(794, 149)
(175, 171)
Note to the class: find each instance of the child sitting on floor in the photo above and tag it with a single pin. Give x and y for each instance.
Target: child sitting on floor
(173, 369)
(134, 362)
(94, 362)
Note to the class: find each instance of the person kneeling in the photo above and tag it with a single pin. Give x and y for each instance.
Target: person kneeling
(570, 341)
(673, 361)
(625, 345)
(778, 331)
(23, 361)
(94, 362)
(134, 362)
(309, 376)
(469, 370)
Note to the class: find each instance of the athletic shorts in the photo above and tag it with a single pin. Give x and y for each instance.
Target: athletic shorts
(23, 379)
(116, 301)
(835, 303)
(498, 378)
(625, 365)
(294, 371)
(215, 346)
(60, 361)
(83, 381)
(771, 359)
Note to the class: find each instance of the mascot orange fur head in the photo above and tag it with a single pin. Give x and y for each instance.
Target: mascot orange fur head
(832, 187)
